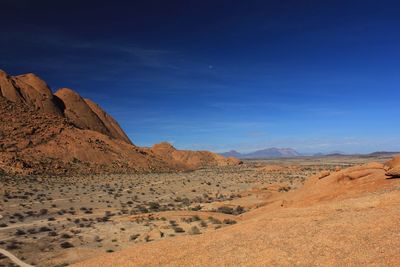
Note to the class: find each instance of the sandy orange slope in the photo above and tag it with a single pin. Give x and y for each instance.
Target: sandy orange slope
(348, 218)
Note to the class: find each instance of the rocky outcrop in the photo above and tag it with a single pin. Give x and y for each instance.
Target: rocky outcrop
(114, 130)
(42, 133)
(393, 167)
(30, 90)
(191, 159)
(78, 111)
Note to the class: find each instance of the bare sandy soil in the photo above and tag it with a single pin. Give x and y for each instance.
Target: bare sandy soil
(251, 214)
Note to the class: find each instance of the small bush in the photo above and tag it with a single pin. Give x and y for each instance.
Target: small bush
(194, 231)
(203, 224)
(196, 208)
(66, 236)
(66, 245)
(44, 229)
(52, 233)
(133, 237)
(178, 229)
(154, 206)
(20, 232)
(43, 212)
(229, 221)
(214, 220)
(13, 245)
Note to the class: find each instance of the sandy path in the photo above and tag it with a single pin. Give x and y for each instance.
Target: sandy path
(14, 259)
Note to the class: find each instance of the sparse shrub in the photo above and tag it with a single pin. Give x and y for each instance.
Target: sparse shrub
(225, 209)
(43, 212)
(186, 201)
(214, 220)
(143, 209)
(239, 210)
(178, 229)
(66, 245)
(284, 189)
(154, 206)
(66, 236)
(44, 229)
(32, 231)
(229, 221)
(52, 233)
(229, 210)
(13, 245)
(20, 232)
(133, 237)
(194, 231)
(196, 208)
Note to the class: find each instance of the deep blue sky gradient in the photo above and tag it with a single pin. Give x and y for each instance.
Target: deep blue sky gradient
(317, 76)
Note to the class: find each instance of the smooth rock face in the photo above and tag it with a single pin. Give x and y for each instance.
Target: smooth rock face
(36, 83)
(8, 88)
(37, 93)
(394, 172)
(110, 123)
(31, 90)
(79, 113)
(393, 167)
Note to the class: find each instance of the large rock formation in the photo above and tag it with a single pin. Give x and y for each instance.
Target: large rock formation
(79, 113)
(29, 89)
(109, 122)
(62, 133)
(191, 159)
(34, 92)
(393, 167)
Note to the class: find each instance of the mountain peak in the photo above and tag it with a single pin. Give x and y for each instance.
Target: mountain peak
(32, 91)
(272, 152)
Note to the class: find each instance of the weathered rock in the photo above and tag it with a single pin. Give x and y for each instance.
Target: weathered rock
(78, 112)
(63, 133)
(109, 122)
(394, 172)
(31, 90)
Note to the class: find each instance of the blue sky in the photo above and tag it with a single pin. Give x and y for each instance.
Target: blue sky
(317, 76)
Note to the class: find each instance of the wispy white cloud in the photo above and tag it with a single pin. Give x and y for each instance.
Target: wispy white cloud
(129, 53)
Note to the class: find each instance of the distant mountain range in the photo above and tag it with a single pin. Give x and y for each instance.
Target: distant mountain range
(291, 153)
(264, 153)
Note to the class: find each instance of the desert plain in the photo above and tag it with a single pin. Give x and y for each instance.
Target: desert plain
(271, 211)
